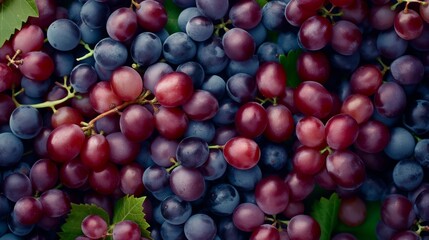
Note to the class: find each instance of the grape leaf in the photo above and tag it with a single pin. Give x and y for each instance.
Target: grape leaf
(72, 227)
(289, 64)
(325, 212)
(367, 230)
(173, 12)
(262, 2)
(12, 14)
(131, 208)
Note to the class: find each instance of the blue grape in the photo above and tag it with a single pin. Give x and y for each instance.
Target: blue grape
(215, 166)
(5, 207)
(110, 54)
(186, 15)
(249, 67)
(226, 112)
(421, 152)
(273, 15)
(95, 14)
(199, 28)
(26, 122)
(372, 188)
(3, 226)
(102, 73)
(273, 156)
(91, 35)
(223, 199)
(416, 117)
(16, 186)
(213, 9)
(244, 179)
(259, 33)
(193, 70)
(64, 63)
(63, 34)
(288, 41)
(200, 227)
(83, 77)
(35, 89)
(175, 210)
(347, 63)
(227, 230)
(157, 216)
(162, 35)
(172, 232)
(146, 49)
(17, 228)
(269, 52)
(74, 11)
(163, 193)
(211, 56)
(10, 236)
(143, 158)
(407, 174)
(215, 85)
(241, 87)
(192, 152)
(401, 144)
(248, 197)
(201, 129)
(390, 45)
(179, 48)
(368, 48)
(184, 3)
(155, 178)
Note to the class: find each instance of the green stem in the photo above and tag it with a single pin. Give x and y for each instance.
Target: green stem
(383, 65)
(175, 164)
(216, 147)
(421, 228)
(88, 55)
(327, 148)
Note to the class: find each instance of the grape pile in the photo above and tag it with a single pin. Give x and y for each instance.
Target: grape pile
(188, 102)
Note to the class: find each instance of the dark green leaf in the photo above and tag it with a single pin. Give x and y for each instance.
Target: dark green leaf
(262, 2)
(173, 12)
(131, 208)
(12, 14)
(289, 64)
(72, 227)
(325, 212)
(367, 230)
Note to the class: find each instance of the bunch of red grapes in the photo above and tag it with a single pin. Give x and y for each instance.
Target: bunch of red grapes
(191, 104)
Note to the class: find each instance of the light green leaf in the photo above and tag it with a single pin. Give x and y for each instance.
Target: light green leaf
(261, 2)
(325, 212)
(289, 64)
(72, 227)
(367, 230)
(12, 14)
(173, 12)
(131, 208)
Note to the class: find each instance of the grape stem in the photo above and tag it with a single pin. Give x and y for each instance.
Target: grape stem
(327, 148)
(175, 164)
(89, 54)
(216, 147)
(13, 61)
(329, 13)
(71, 93)
(222, 26)
(383, 65)
(421, 228)
(135, 4)
(407, 2)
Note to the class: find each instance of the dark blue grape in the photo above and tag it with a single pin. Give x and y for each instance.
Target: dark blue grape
(63, 34)
(193, 70)
(421, 205)
(179, 48)
(390, 45)
(146, 49)
(155, 178)
(5, 207)
(226, 112)
(416, 117)
(10, 236)
(368, 48)
(215, 166)
(83, 77)
(175, 210)
(273, 16)
(288, 41)
(241, 87)
(26, 122)
(192, 152)
(401, 144)
(269, 52)
(199, 28)
(200, 227)
(110, 54)
(244, 179)
(102, 73)
(35, 89)
(157, 216)
(200, 129)
(273, 156)
(3, 226)
(227, 230)
(74, 11)
(372, 188)
(91, 35)
(215, 85)
(211, 56)
(16, 186)
(407, 174)
(259, 34)
(248, 67)
(185, 15)
(223, 199)
(17, 228)
(172, 232)
(64, 63)
(421, 152)
(184, 3)
(163, 193)
(95, 14)
(347, 63)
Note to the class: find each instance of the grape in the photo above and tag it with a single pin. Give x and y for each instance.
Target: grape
(213, 9)
(185, 15)
(397, 212)
(126, 230)
(106, 180)
(74, 174)
(171, 231)
(390, 44)
(308, 161)
(346, 169)
(390, 99)
(313, 66)
(94, 226)
(265, 231)
(64, 142)
(352, 211)
(280, 125)
(300, 186)
(211, 55)
(273, 156)
(43, 175)
(20, 40)
(401, 144)
(102, 97)
(90, 35)
(242, 153)
(373, 136)
(407, 174)
(63, 34)
(175, 210)
(303, 225)
(122, 24)
(408, 24)
(271, 79)
(238, 44)
(272, 195)
(406, 235)
(174, 89)
(11, 149)
(95, 13)
(223, 199)
(151, 15)
(346, 37)
(178, 48)
(245, 179)
(247, 217)
(366, 80)
(355, 12)
(241, 87)
(187, 183)
(341, 131)
(251, 120)
(315, 33)
(136, 115)
(201, 106)
(37, 65)
(245, 14)
(171, 122)
(273, 15)
(110, 54)
(56, 203)
(200, 226)
(162, 150)
(310, 131)
(28, 210)
(35, 89)
(195, 72)
(83, 77)
(382, 17)
(130, 182)
(215, 166)
(312, 98)
(201, 129)
(122, 149)
(407, 70)
(25, 122)
(199, 28)
(146, 49)
(226, 229)
(259, 33)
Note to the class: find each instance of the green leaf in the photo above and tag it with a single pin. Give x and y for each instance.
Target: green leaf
(289, 64)
(12, 14)
(173, 12)
(367, 230)
(261, 2)
(131, 208)
(325, 212)
(72, 227)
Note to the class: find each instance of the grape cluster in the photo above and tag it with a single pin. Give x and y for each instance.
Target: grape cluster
(105, 98)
